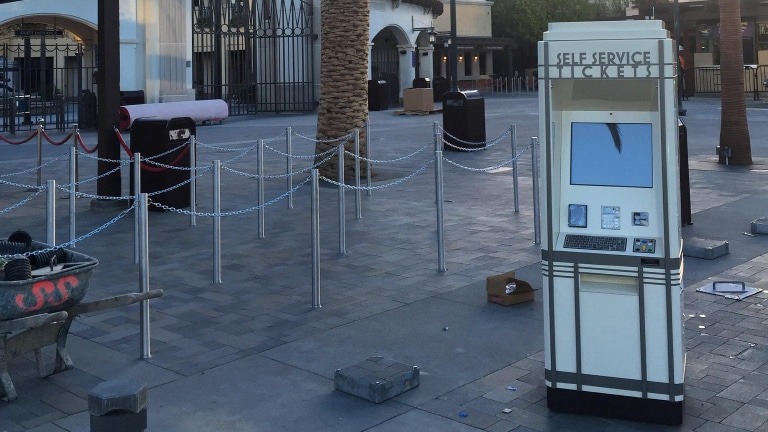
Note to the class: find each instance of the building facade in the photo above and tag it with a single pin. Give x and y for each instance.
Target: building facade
(259, 55)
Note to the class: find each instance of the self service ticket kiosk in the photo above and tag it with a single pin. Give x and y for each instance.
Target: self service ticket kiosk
(612, 250)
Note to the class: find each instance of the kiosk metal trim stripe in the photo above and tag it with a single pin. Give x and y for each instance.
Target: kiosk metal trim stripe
(643, 347)
(665, 207)
(550, 241)
(577, 326)
(626, 384)
(611, 260)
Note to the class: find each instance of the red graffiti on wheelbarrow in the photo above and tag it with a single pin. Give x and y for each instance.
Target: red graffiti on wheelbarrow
(45, 294)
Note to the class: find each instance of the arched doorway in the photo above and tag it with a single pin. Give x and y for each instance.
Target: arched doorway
(46, 63)
(386, 58)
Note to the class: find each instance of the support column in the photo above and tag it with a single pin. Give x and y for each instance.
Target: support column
(406, 71)
(426, 62)
(108, 80)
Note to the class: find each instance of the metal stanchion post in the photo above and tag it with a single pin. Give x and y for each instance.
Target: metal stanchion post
(136, 214)
(535, 174)
(261, 188)
(439, 198)
(51, 213)
(75, 139)
(39, 153)
(342, 226)
(289, 164)
(315, 214)
(217, 221)
(358, 204)
(72, 192)
(144, 273)
(515, 172)
(193, 180)
(368, 155)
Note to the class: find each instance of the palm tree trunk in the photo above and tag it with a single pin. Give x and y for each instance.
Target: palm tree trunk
(344, 28)
(734, 131)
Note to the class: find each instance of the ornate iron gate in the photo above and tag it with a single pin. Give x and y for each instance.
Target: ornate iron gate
(255, 54)
(44, 80)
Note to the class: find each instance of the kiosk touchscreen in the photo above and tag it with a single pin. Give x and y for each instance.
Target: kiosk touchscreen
(612, 249)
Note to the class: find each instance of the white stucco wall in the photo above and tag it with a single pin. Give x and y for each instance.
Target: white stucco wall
(155, 40)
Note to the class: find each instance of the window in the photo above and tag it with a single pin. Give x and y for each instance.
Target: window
(482, 61)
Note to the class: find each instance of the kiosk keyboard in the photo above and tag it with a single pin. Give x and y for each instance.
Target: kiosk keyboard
(603, 243)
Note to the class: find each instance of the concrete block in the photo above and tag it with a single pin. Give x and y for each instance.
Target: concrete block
(704, 248)
(117, 395)
(759, 226)
(376, 379)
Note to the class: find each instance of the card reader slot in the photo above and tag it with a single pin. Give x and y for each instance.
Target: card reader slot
(650, 262)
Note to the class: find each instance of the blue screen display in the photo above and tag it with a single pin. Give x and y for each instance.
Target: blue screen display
(612, 154)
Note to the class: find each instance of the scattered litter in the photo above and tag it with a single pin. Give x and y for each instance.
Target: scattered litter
(747, 234)
(462, 414)
(511, 388)
(445, 328)
(506, 410)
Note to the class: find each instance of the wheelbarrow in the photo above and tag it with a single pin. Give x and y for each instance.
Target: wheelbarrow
(38, 312)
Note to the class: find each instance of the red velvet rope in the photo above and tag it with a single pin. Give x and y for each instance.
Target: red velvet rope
(34, 134)
(56, 143)
(144, 166)
(82, 145)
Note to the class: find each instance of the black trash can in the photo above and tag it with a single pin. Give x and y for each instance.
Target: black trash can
(378, 95)
(157, 137)
(685, 183)
(439, 87)
(422, 83)
(132, 97)
(86, 109)
(464, 120)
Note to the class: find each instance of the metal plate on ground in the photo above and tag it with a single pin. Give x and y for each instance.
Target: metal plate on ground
(376, 379)
(729, 289)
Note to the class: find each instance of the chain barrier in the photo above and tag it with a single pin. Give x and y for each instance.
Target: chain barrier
(344, 138)
(25, 140)
(57, 158)
(380, 161)
(22, 202)
(178, 185)
(277, 176)
(145, 166)
(384, 186)
(491, 168)
(235, 212)
(117, 161)
(481, 145)
(20, 185)
(56, 143)
(294, 156)
(65, 187)
(79, 239)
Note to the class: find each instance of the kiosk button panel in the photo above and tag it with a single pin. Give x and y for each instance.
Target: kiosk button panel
(602, 243)
(644, 245)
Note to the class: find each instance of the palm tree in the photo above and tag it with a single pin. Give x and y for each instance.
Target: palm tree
(344, 28)
(734, 131)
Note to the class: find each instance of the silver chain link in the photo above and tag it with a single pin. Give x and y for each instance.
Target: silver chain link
(344, 138)
(235, 212)
(57, 158)
(482, 145)
(22, 202)
(517, 156)
(384, 186)
(78, 239)
(381, 161)
(295, 156)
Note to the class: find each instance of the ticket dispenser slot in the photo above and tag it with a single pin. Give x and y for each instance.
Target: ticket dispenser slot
(611, 236)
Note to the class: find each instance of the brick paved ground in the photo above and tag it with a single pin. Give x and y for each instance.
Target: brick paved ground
(250, 354)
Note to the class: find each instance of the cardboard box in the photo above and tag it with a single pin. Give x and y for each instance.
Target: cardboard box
(495, 287)
(418, 99)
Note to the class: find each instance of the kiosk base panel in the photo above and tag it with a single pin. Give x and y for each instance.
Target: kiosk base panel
(608, 405)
